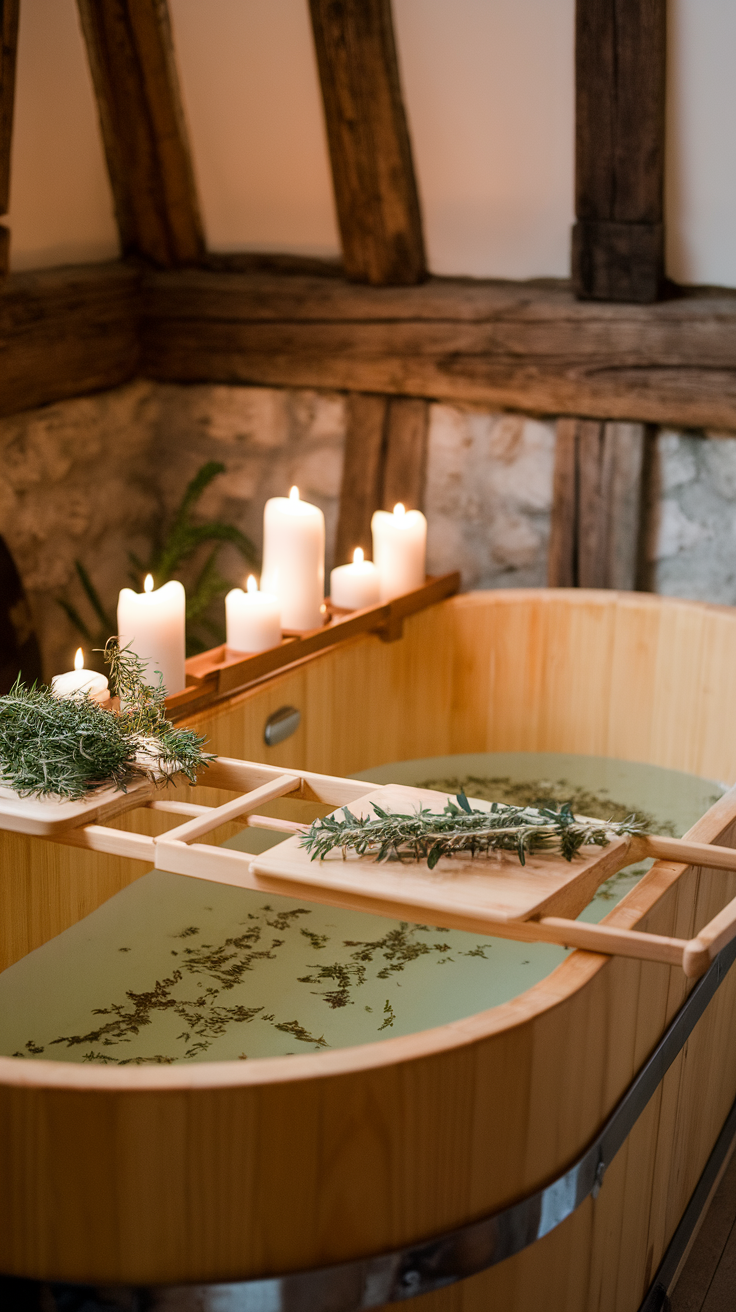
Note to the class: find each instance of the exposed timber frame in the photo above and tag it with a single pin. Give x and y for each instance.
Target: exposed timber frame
(618, 240)
(134, 73)
(598, 495)
(529, 347)
(385, 462)
(370, 151)
(8, 49)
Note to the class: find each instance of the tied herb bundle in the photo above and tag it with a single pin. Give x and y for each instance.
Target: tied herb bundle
(428, 835)
(66, 747)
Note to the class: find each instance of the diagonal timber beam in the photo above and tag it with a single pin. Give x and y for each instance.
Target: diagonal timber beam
(618, 241)
(133, 68)
(8, 50)
(370, 151)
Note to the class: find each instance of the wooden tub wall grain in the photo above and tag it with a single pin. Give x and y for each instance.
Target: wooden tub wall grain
(231, 1170)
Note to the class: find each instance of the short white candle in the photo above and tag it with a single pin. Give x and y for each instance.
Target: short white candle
(153, 623)
(80, 680)
(253, 619)
(354, 586)
(399, 550)
(294, 559)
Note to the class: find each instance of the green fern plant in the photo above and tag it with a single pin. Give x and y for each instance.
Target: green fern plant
(181, 542)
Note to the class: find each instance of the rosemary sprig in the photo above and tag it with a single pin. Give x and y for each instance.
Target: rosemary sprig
(67, 747)
(428, 835)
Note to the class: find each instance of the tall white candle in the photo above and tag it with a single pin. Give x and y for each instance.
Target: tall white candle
(80, 680)
(253, 619)
(294, 559)
(399, 550)
(153, 624)
(354, 586)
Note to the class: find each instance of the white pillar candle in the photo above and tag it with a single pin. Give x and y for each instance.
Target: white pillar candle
(80, 680)
(294, 559)
(354, 586)
(253, 619)
(399, 550)
(153, 625)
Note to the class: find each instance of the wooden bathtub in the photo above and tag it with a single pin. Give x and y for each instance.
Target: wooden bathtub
(234, 1170)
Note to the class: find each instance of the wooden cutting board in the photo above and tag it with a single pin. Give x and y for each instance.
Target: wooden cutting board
(481, 891)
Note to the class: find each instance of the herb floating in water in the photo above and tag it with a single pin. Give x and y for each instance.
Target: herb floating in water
(428, 835)
(67, 747)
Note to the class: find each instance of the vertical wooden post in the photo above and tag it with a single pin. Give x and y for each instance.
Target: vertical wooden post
(385, 462)
(618, 241)
(134, 73)
(8, 49)
(372, 169)
(405, 465)
(596, 505)
(362, 476)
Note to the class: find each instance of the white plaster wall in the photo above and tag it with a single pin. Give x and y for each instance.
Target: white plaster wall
(490, 96)
(701, 142)
(250, 89)
(60, 199)
(489, 90)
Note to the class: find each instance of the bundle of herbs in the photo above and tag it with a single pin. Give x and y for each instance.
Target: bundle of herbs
(67, 747)
(427, 835)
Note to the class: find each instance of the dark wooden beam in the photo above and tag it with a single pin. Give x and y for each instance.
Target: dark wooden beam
(405, 460)
(134, 73)
(597, 505)
(8, 50)
(618, 243)
(66, 332)
(362, 475)
(518, 346)
(385, 461)
(372, 170)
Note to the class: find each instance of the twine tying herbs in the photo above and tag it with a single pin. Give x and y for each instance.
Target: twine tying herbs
(66, 747)
(428, 835)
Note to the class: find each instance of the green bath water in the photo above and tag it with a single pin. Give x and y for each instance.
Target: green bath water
(177, 970)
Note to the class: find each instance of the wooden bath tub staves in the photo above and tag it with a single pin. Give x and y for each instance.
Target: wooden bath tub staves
(221, 672)
(498, 896)
(242, 1170)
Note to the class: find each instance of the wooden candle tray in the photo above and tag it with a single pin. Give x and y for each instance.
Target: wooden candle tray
(220, 672)
(491, 895)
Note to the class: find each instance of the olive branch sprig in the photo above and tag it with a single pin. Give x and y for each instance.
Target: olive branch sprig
(427, 835)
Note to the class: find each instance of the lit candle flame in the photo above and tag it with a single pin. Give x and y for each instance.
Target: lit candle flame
(358, 556)
(79, 659)
(399, 509)
(294, 493)
(148, 583)
(251, 585)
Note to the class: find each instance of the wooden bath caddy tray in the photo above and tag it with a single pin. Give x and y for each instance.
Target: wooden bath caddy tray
(221, 672)
(492, 895)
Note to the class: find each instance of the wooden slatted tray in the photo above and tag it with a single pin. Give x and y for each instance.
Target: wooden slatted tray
(493, 895)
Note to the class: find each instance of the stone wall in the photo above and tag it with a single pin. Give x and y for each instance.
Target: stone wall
(94, 478)
(693, 539)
